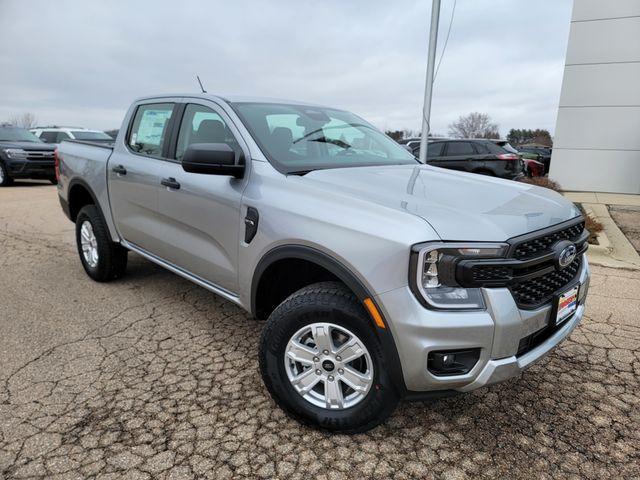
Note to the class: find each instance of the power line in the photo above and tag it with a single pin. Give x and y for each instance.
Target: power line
(446, 41)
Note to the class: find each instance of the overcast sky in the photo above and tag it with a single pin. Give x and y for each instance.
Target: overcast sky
(81, 62)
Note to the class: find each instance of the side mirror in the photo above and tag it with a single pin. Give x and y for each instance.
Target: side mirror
(212, 159)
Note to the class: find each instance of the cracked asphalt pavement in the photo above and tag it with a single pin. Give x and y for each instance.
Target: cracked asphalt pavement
(154, 377)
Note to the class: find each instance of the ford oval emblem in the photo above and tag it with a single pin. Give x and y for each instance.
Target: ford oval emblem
(567, 256)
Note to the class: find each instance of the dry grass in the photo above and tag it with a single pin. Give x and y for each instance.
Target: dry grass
(543, 182)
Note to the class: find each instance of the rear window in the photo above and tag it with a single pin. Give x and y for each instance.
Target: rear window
(149, 128)
(459, 148)
(493, 148)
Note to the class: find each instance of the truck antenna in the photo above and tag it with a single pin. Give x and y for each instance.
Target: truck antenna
(201, 87)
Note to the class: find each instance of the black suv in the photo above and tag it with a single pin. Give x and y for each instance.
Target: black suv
(475, 156)
(23, 155)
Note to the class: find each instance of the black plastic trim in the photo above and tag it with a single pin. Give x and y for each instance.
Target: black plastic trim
(85, 185)
(515, 241)
(350, 280)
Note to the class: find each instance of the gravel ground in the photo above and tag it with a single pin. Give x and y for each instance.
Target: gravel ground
(154, 377)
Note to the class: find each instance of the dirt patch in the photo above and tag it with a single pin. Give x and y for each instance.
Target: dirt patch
(627, 218)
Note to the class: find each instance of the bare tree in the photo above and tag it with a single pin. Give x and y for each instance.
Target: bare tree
(26, 120)
(474, 125)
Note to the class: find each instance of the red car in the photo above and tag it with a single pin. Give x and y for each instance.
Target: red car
(533, 168)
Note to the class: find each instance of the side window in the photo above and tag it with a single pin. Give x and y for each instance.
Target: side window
(149, 128)
(62, 136)
(460, 148)
(201, 124)
(435, 149)
(49, 137)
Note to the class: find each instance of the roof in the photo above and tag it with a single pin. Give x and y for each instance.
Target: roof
(233, 99)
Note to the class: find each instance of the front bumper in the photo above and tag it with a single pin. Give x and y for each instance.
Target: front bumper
(497, 331)
(31, 168)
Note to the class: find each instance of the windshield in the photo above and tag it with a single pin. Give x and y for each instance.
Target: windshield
(15, 134)
(88, 135)
(298, 138)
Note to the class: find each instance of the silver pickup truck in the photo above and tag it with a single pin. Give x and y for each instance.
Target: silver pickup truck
(380, 278)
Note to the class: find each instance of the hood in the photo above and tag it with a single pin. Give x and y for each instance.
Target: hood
(28, 145)
(459, 206)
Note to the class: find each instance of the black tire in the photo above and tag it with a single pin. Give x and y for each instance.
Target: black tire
(6, 179)
(112, 257)
(326, 302)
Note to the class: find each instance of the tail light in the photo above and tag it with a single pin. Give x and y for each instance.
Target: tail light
(56, 162)
(507, 156)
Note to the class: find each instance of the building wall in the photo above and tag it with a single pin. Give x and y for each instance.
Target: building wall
(597, 137)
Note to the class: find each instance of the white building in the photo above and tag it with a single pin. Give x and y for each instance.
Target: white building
(597, 137)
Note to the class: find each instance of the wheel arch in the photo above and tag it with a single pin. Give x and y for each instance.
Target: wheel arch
(81, 194)
(336, 270)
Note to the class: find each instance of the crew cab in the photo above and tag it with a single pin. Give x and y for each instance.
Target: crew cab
(380, 278)
(23, 156)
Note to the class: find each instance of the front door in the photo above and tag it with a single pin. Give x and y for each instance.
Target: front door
(133, 176)
(201, 213)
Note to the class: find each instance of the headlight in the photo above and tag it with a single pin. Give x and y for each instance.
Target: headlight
(433, 273)
(15, 153)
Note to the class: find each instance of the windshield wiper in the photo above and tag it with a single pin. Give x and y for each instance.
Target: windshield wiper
(332, 141)
(301, 173)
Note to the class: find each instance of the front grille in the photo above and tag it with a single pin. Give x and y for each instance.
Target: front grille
(40, 155)
(490, 272)
(539, 290)
(542, 245)
(530, 270)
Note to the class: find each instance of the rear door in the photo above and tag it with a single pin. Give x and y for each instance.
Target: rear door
(200, 214)
(458, 155)
(133, 174)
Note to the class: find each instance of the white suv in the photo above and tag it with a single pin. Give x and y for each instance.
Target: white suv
(58, 134)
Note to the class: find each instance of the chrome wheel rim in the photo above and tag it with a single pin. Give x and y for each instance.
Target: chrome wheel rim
(89, 244)
(329, 366)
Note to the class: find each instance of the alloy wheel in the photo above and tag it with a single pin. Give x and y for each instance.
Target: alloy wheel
(329, 366)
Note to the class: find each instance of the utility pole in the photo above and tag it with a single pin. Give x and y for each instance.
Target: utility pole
(428, 88)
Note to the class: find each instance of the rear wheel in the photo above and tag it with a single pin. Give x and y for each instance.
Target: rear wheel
(102, 259)
(5, 179)
(322, 362)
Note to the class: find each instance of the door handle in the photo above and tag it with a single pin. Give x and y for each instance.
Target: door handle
(171, 183)
(120, 170)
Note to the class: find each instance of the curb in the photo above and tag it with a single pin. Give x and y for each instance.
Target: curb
(613, 249)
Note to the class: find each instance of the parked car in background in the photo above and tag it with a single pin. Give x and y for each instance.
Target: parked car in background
(58, 134)
(474, 155)
(23, 155)
(532, 167)
(380, 278)
(540, 153)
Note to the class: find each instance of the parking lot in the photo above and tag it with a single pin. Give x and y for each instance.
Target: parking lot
(154, 377)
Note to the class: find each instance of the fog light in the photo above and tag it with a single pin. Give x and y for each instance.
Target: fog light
(452, 362)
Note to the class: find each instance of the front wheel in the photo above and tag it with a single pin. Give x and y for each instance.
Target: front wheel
(102, 259)
(5, 179)
(323, 363)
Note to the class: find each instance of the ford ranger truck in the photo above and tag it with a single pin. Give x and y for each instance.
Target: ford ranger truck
(380, 278)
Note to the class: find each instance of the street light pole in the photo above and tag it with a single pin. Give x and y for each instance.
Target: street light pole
(428, 88)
